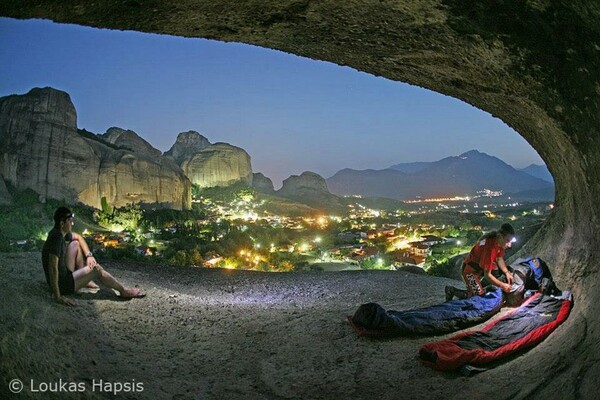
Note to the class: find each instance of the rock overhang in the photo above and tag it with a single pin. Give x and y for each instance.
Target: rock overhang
(533, 64)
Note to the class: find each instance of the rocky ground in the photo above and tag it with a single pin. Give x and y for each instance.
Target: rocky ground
(222, 334)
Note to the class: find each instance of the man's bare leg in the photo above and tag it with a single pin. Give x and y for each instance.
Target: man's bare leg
(76, 261)
(84, 275)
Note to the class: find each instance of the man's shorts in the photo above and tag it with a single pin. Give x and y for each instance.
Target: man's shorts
(472, 278)
(66, 283)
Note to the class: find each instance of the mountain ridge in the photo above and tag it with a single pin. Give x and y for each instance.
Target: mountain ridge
(464, 174)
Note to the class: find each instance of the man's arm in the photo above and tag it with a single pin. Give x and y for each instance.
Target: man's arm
(90, 261)
(504, 286)
(53, 272)
(504, 269)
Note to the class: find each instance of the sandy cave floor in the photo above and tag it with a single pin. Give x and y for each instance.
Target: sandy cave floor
(222, 334)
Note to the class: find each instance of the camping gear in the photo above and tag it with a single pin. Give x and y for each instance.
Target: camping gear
(373, 320)
(522, 328)
(536, 274)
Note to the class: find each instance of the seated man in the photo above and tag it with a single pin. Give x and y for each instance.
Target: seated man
(63, 257)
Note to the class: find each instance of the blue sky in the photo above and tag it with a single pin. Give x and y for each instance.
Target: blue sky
(291, 114)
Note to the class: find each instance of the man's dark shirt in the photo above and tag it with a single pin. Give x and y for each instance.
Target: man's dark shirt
(56, 244)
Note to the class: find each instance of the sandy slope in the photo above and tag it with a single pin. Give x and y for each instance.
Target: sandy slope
(219, 334)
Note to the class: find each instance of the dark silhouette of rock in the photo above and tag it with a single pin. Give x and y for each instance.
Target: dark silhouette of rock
(42, 150)
(262, 183)
(311, 189)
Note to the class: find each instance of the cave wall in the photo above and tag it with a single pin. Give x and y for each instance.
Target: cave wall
(534, 64)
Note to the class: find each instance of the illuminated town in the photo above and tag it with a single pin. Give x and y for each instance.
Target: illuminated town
(242, 232)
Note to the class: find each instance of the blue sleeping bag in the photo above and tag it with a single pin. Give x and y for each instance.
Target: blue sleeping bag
(373, 320)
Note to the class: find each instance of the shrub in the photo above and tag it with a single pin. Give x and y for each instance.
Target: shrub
(125, 218)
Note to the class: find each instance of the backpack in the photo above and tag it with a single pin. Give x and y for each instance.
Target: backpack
(535, 274)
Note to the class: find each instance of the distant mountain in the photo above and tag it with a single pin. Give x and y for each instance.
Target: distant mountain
(459, 175)
(546, 194)
(412, 167)
(539, 171)
(373, 183)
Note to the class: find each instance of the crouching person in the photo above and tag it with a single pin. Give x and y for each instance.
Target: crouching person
(486, 261)
(69, 264)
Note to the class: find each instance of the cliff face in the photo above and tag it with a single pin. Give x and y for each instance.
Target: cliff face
(42, 150)
(130, 140)
(187, 144)
(219, 164)
(5, 197)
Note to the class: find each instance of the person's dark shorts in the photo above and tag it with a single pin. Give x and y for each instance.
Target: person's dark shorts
(66, 283)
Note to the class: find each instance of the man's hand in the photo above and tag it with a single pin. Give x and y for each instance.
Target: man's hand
(65, 301)
(90, 262)
(506, 287)
(509, 277)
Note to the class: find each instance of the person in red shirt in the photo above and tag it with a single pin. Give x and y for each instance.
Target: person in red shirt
(484, 262)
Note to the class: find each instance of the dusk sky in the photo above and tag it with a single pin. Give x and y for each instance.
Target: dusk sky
(291, 114)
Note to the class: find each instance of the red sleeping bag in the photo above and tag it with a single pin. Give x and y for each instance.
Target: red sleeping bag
(520, 329)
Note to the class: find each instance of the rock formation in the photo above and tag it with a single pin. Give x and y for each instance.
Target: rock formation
(187, 144)
(41, 149)
(262, 183)
(130, 140)
(309, 188)
(219, 164)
